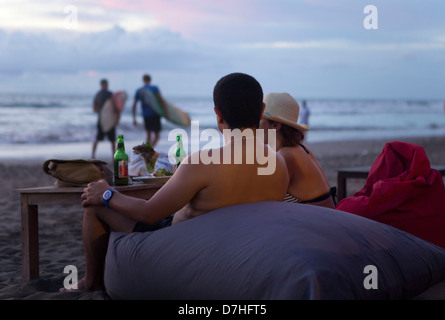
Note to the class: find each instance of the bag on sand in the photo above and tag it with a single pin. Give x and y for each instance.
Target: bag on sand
(78, 172)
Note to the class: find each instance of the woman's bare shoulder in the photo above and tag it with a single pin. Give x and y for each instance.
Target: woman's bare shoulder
(291, 152)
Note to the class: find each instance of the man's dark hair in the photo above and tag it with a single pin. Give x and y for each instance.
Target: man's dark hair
(239, 97)
(104, 81)
(146, 78)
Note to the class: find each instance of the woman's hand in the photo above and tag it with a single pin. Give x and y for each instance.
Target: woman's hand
(93, 193)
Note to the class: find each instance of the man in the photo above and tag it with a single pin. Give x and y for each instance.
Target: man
(194, 189)
(99, 100)
(305, 113)
(152, 120)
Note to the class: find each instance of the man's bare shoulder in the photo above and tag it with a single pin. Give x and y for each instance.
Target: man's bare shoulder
(205, 165)
(205, 158)
(195, 168)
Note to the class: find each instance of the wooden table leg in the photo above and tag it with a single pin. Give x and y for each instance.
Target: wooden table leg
(30, 240)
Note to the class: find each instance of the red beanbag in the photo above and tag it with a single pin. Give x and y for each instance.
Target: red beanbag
(403, 191)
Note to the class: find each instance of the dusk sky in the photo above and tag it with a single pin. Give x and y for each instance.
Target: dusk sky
(309, 48)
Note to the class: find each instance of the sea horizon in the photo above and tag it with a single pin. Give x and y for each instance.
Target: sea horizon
(64, 125)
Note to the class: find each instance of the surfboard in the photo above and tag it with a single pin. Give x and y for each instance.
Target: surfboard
(177, 116)
(111, 111)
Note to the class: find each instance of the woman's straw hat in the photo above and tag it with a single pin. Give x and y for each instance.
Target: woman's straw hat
(283, 108)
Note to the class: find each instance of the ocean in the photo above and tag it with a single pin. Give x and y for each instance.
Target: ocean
(42, 126)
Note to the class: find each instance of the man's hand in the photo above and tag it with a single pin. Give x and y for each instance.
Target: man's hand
(92, 194)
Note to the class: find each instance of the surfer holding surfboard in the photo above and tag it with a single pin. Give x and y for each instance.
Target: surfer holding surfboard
(99, 102)
(152, 120)
(109, 107)
(155, 107)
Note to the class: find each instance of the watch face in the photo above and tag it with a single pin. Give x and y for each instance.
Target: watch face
(107, 194)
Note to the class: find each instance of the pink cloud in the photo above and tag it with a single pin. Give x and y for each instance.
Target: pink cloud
(188, 16)
(92, 73)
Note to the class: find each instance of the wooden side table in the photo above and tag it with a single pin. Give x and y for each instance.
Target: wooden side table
(31, 198)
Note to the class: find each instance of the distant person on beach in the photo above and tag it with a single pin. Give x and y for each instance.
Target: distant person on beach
(194, 188)
(305, 113)
(307, 180)
(152, 120)
(99, 100)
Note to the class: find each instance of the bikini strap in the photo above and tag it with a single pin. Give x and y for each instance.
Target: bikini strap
(304, 148)
(332, 193)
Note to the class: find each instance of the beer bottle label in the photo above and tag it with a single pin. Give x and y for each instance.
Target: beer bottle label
(123, 168)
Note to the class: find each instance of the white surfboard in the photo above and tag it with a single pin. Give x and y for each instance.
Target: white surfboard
(111, 111)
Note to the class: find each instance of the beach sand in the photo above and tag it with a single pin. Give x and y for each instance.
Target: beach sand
(60, 231)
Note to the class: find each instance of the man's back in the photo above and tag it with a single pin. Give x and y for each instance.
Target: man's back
(230, 181)
(146, 105)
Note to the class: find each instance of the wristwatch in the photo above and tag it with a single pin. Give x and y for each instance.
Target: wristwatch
(107, 196)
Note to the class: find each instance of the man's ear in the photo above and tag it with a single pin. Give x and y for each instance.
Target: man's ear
(219, 117)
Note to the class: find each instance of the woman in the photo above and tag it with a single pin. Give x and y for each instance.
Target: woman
(308, 182)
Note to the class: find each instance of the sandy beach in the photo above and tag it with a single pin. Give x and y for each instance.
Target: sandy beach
(60, 231)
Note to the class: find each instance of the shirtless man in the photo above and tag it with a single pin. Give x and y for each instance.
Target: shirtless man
(194, 189)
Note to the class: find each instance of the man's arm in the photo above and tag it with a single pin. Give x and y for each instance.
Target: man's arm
(173, 196)
(95, 106)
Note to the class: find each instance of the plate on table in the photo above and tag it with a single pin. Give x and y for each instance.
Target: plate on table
(151, 179)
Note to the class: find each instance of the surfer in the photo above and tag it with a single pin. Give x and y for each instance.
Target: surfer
(99, 100)
(152, 120)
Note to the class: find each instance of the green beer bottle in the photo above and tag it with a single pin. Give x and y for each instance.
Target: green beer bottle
(179, 150)
(120, 163)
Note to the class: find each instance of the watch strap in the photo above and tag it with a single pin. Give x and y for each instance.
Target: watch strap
(108, 199)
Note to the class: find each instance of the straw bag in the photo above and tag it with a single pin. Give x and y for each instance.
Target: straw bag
(78, 172)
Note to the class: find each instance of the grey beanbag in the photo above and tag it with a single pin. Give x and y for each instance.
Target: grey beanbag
(272, 250)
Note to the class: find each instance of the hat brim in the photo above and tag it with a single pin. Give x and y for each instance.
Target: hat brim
(301, 127)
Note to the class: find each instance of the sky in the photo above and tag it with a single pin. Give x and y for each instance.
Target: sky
(313, 49)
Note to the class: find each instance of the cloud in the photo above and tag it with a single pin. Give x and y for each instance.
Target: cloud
(312, 45)
(92, 16)
(315, 44)
(188, 17)
(111, 50)
(343, 44)
(70, 61)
